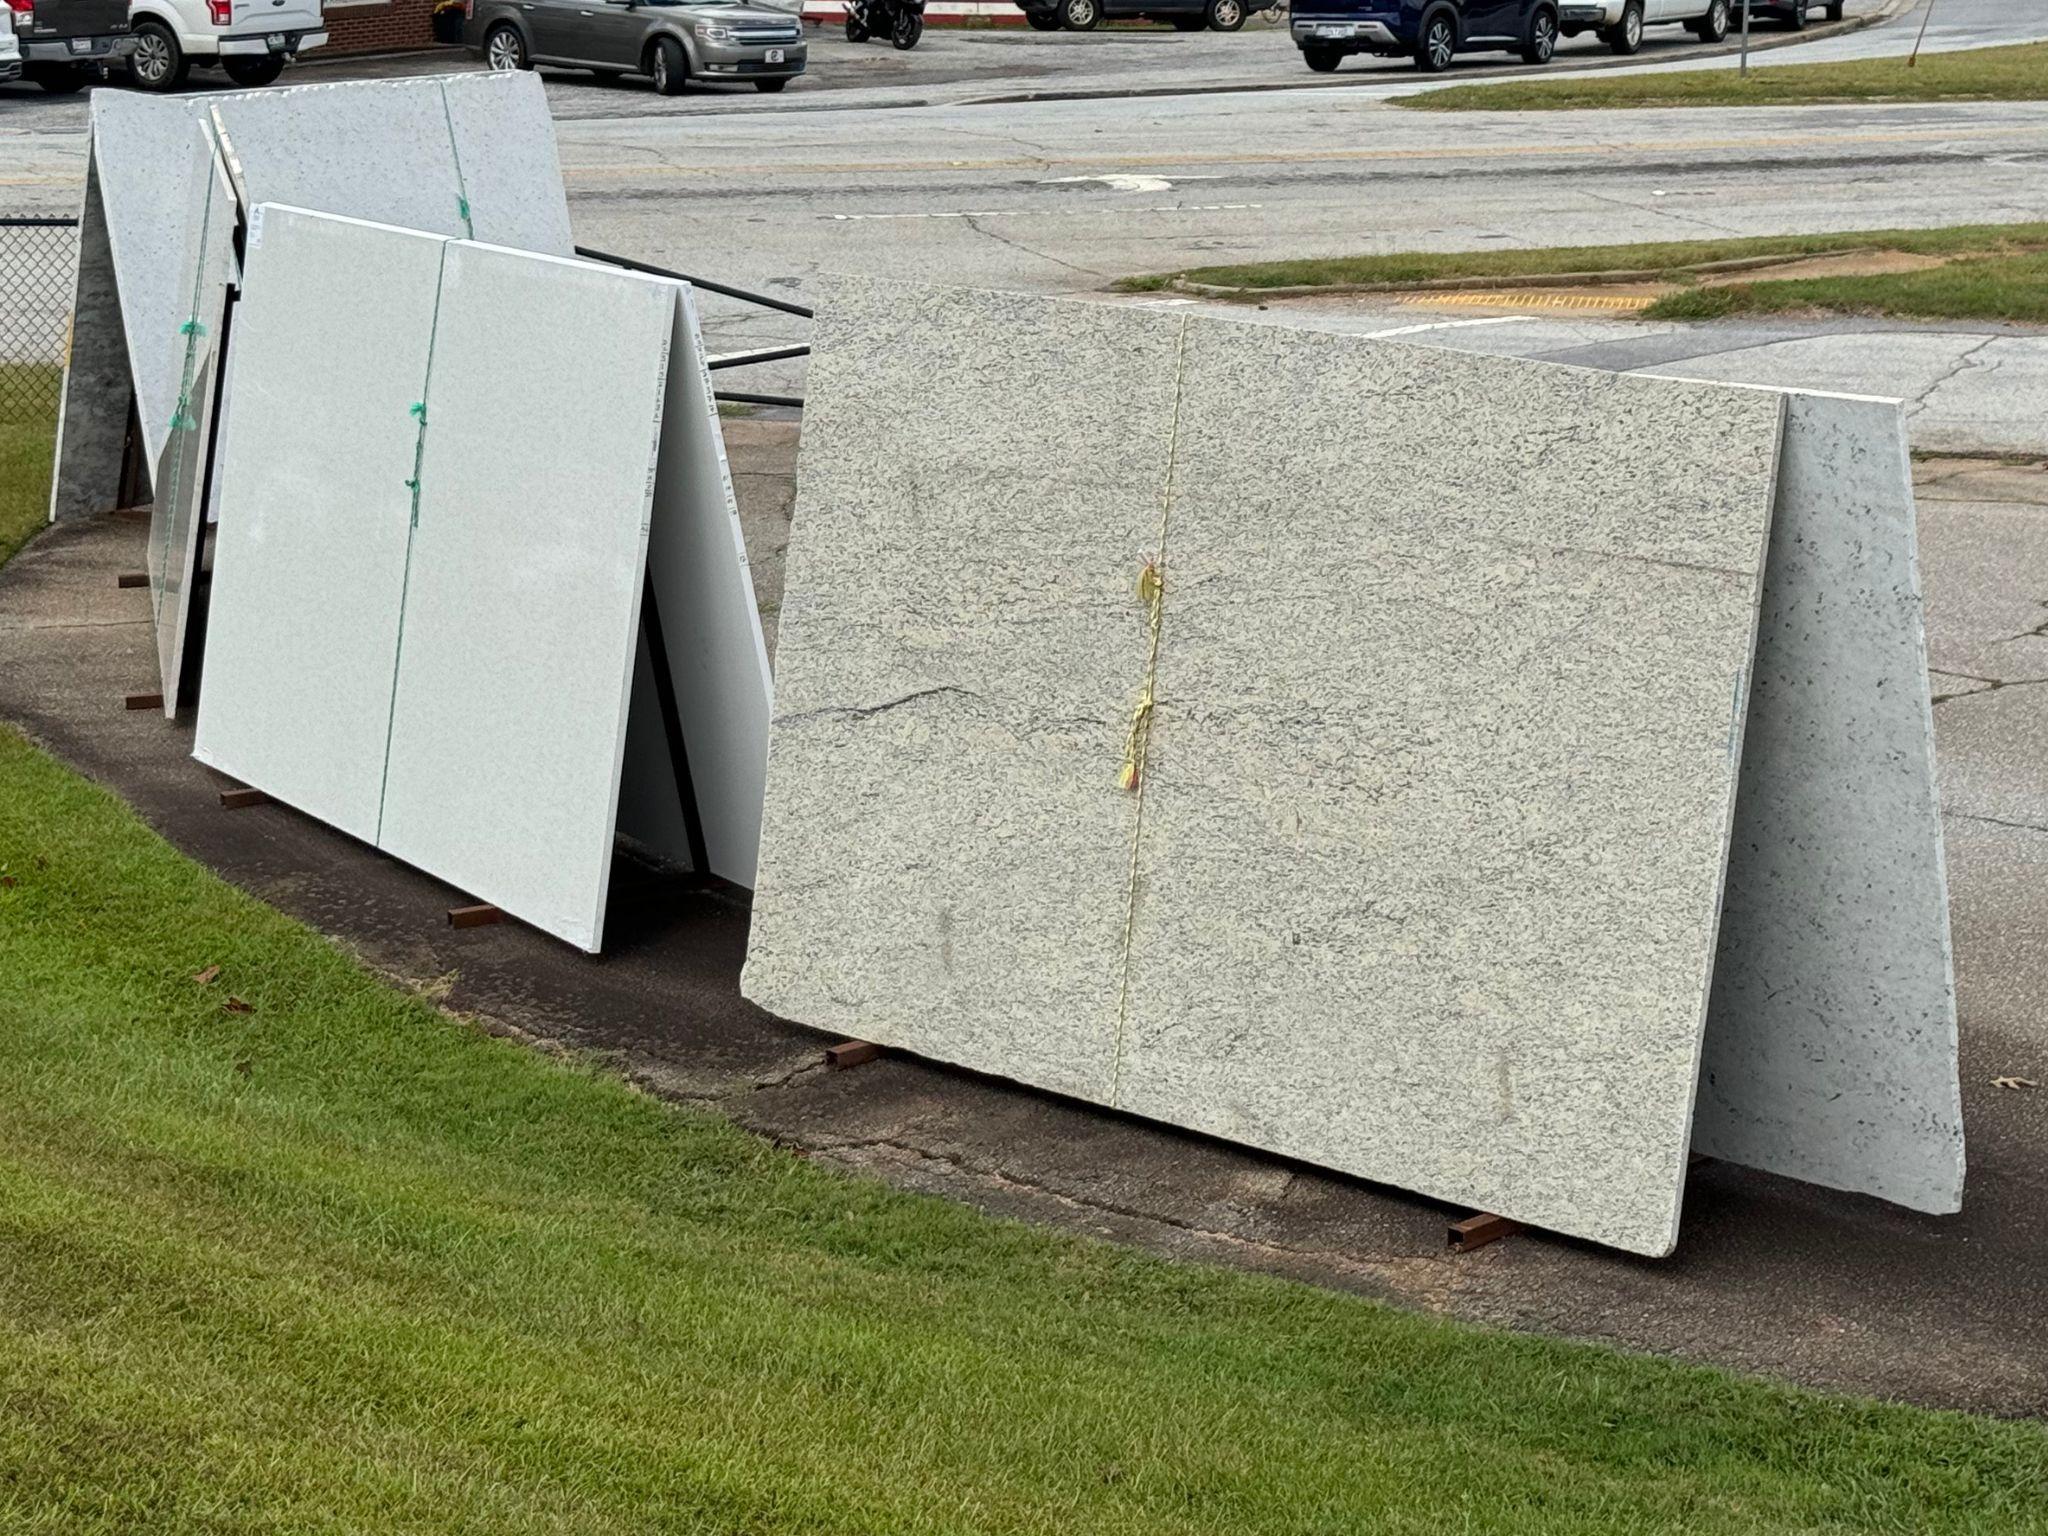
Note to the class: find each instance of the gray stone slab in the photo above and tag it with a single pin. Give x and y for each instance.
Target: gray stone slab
(1422, 884)
(92, 416)
(1449, 714)
(402, 152)
(177, 511)
(527, 563)
(945, 853)
(1831, 1043)
(310, 558)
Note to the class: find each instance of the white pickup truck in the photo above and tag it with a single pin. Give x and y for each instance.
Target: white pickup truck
(1620, 23)
(252, 40)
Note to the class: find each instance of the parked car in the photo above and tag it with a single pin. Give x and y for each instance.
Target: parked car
(670, 41)
(10, 50)
(65, 43)
(1620, 23)
(1432, 32)
(1181, 15)
(252, 40)
(1792, 14)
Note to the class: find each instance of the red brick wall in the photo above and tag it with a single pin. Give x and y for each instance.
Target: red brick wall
(378, 28)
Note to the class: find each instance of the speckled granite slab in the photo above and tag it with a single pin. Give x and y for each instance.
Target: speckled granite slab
(1831, 1043)
(1424, 878)
(411, 153)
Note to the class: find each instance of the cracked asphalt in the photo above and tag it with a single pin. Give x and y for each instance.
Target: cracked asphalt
(1771, 1276)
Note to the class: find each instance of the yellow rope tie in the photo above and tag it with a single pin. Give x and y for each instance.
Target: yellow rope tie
(1152, 593)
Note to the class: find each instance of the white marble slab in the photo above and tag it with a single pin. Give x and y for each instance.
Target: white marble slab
(310, 557)
(176, 516)
(1424, 877)
(403, 152)
(1831, 1044)
(717, 658)
(521, 618)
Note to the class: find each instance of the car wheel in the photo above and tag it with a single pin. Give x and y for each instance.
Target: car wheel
(1436, 43)
(770, 87)
(1080, 15)
(1323, 61)
(1713, 27)
(1627, 36)
(158, 63)
(1835, 11)
(253, 69)
(1042, 21)
(505, 50)
(671, 71)
(1541, 42)
(1224, 15)
(909, 28)
(1796, 20)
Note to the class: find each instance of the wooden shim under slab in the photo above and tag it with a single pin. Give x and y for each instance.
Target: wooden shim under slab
(478, 916)
(143, 701)
(1477, 1231)
(851, 1053)
(129, 579)
(242, 799)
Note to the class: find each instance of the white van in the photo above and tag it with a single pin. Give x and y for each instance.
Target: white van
(252, 40)
(1620, 23)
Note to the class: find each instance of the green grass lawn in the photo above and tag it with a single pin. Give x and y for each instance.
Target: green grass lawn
(340, 1262)
(1995, 272)
(28, 426)
(2014, 73)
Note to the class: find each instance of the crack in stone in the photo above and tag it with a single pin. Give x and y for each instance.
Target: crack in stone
(1920, 401)
(863, 711)
(2017, 826)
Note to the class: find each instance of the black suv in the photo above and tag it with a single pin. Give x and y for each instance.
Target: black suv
(1431, 32)
(65, 43)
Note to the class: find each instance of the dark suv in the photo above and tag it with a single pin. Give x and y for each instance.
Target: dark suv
(65, 43)
(1181, 15)
(1431, 32)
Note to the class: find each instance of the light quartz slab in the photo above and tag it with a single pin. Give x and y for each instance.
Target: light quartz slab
(450, 676)
(177, 507)
(1423, 880)
(710, 623)
(522, 614)
(1831, 1050)
(309, 562)
(411, 153)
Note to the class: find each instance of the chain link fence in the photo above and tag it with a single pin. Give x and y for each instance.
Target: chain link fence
(37, 257)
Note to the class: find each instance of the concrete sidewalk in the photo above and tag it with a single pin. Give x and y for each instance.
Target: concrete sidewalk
(1771, 1276)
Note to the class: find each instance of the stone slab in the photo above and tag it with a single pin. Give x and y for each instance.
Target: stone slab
(522, 612)
(1423, 882)
(92, 413)
(711, 625)
(402, 152)
(180, 480)
(1831, 1044)
(945, 853)
(310, 557)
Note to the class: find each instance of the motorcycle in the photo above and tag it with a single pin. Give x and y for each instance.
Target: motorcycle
(901, 21)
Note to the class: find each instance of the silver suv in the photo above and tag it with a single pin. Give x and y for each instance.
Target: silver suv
(670, 41)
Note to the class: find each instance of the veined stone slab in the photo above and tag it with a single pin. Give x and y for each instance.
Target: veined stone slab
(1831, 1044)
(522, 613)
(309, 562)
(945, 853)
(177, 509)
(402, 152)
(1423, 877)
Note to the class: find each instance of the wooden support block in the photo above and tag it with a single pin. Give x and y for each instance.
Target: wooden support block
(144, 701)
(479, 916)
(129, 579)
(1477, 1231)
(242, 799)
(851, 1053)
